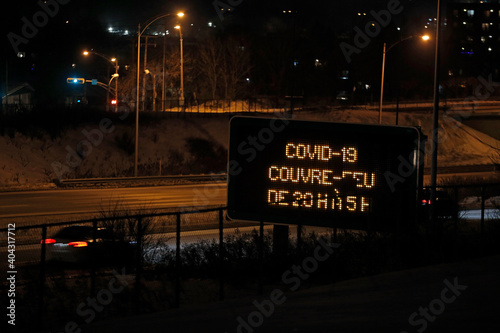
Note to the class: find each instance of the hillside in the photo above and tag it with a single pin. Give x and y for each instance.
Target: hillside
(106, 148)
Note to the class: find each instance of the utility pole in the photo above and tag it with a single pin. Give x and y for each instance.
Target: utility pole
(144, 77)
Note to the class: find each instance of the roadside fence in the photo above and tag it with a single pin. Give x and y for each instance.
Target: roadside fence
(198, 256)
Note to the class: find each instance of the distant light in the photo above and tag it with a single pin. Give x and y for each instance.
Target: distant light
(110, 29)
(210, 24)
(180, 14)
(85, 52)
(489, 49)
(426, 37)
(398, 28)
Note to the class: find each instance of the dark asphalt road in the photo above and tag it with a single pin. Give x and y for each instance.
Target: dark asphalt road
(54, 202)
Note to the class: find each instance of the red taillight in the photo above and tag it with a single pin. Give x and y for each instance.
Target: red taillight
(47, 241)
(78, 244)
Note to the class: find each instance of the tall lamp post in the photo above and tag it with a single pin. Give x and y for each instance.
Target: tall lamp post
(139, 34)
(181, 100)
(435, 113)
(385, 50)
(114, 62)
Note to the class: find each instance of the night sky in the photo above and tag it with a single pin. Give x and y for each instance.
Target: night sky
(82, 24)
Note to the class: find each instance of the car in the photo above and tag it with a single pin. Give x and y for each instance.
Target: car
(75, 244)
(445, 207)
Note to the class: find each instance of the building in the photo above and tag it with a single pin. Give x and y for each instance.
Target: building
(21, 98)
(471, 43)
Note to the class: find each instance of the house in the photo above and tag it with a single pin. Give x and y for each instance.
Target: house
(20, 98)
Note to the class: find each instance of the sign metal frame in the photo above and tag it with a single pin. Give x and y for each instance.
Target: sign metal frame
(355, 176)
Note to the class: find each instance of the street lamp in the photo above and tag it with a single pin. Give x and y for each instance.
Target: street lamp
(425, 38)
(113, 62)
(139, 34)
(181, 101)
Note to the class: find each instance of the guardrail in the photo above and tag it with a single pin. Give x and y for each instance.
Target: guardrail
(146, 179)
(465, 168)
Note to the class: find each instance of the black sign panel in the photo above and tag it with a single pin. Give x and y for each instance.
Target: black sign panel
(327, 174)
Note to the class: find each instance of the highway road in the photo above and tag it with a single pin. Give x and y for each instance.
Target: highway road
(91, 201)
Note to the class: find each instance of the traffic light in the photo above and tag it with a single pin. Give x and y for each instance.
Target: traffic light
(75, 80)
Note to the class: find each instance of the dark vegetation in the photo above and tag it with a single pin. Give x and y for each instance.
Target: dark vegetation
(247, 264)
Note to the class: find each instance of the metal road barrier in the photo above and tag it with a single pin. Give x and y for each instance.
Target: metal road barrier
(140, 180)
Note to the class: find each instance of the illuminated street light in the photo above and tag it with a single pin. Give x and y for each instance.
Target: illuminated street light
(181, 100)
(113, 62)
(425, 38)
(139, 34)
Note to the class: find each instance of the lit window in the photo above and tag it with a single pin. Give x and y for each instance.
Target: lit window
(470, 12)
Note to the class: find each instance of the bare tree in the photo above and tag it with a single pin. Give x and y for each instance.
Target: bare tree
(235, 65)
(209, 63)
